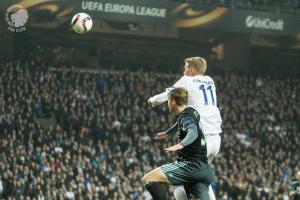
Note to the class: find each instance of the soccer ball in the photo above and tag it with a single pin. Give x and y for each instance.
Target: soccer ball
(81, 23)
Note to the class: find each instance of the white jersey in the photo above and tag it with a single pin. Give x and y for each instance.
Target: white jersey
(202, 97)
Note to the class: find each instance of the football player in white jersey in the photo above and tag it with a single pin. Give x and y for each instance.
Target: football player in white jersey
(202, 97)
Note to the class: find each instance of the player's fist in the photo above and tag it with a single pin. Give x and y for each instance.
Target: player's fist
(151, 102)
(161, 136)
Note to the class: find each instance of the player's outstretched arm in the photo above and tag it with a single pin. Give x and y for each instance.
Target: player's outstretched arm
(190, 137)
(163, 135)
(163, 97)
(158, 99)
(160, 136)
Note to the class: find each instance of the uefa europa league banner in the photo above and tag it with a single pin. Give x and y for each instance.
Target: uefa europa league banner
(180, 15)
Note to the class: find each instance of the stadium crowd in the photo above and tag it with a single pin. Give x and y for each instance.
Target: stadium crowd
(69, 134)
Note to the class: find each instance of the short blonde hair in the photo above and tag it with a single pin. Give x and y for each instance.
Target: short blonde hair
(198, 63)
(180, 95)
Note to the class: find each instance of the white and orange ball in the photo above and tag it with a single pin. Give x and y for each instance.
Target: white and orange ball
(81, 23)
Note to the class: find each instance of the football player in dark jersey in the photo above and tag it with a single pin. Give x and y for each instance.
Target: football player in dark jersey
(191, 168)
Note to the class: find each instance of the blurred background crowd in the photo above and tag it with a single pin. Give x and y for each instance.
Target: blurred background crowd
(83, 134)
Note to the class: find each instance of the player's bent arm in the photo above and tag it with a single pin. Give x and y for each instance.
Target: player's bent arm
(173, 129)
(191, 135)
(292, 193)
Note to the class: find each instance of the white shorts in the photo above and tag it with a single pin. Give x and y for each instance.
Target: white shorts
(213, 143)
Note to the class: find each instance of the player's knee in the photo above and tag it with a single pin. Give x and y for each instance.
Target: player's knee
(145, 179)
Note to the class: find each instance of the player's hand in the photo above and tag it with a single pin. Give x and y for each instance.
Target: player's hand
(174, 148)
(161, 136)
(151, 103)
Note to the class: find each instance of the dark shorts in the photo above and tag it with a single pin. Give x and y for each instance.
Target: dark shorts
(195, 176)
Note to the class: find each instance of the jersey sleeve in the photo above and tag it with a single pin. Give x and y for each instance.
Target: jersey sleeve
(186, 122)
(188, 125)
(159, 98)
(190, 137)
(163, 97)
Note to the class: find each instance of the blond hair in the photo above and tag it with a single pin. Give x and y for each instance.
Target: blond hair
(180, 96)
(198, 63)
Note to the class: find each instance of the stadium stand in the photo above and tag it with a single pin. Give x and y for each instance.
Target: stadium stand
(97, 142)
(282, 6)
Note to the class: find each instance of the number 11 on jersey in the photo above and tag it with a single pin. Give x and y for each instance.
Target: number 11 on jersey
(209, 88)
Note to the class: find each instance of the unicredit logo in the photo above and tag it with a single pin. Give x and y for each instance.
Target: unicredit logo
(264, 23)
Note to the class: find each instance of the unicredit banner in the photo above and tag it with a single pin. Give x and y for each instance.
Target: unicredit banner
(181, 15)
(264, 23)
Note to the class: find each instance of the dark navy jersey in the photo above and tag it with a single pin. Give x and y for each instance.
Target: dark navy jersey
(196, 151)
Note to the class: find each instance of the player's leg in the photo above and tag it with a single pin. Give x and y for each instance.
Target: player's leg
(199, 191)
(213, 148)
(179, 193)
(179, 174)
(152, 181)
(190, 174)
(203, 178)
(213, 143)
(211, 193)
(156, 175)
